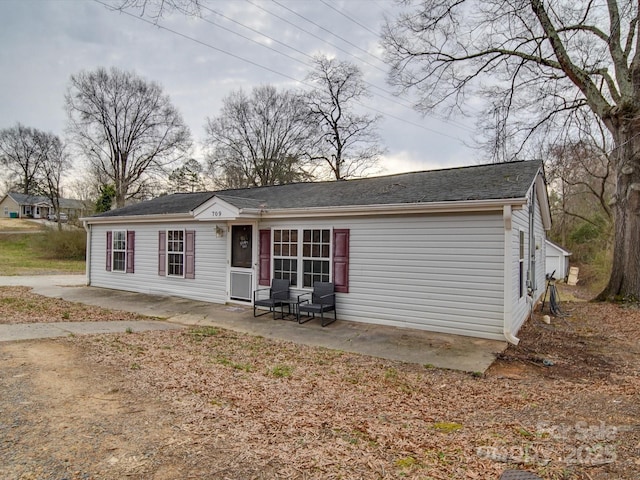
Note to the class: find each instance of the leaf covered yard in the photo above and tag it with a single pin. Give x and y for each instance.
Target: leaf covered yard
(204, 402)
(250, 407)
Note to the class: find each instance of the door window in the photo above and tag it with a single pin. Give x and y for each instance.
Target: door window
(241, 246)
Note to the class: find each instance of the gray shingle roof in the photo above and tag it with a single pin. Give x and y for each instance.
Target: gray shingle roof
(482, 182)
(24, 199)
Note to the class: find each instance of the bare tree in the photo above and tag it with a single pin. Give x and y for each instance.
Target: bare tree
(22, 155)
(348, 143)
(541, 61)
(262, 139)
(155, 9)
(126, 127)
(54, 165)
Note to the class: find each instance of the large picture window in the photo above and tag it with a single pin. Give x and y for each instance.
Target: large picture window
(119, 251)
(175, 253)
(302, 256)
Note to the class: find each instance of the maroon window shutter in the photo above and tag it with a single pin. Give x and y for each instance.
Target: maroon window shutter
(162, 253)
(190, 254)
(131, 246)
(265, 258)
(109, 247)
(341, 260)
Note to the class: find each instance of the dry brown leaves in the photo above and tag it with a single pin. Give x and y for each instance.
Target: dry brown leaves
(21, 305)
(564, 403)
(280, 410)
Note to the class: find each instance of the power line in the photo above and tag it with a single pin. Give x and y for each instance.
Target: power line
(390, 98)
(252, 40)
(251, 62)
(314, 35)
(256, 31)
(326, 30)
(349, 18)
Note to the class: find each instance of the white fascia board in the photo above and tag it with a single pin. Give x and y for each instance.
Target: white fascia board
(396, 209)
(344, 211)
(157, 218)
(543, 201)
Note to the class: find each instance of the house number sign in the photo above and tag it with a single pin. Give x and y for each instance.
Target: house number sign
(216, 213)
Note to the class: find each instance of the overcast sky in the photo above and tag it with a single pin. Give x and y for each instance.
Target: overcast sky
(198, 61)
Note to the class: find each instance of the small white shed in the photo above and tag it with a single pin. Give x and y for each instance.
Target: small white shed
(557, 260)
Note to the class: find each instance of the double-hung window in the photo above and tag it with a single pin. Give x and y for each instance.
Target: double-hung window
(316, 256)
(119, 251)
(285, 255)
(175, 253)
(302, 256)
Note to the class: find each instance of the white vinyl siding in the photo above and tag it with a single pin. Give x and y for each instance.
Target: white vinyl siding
(210, 259)
(522, 305)
(434, 272)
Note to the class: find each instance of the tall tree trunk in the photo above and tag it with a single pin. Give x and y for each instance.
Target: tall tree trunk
(624, 283)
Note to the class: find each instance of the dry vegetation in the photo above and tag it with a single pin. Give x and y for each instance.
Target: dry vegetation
(565, 403)
(21, 305)
(19, 225)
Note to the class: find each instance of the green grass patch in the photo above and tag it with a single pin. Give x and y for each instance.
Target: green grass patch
(246, 367)
(41, 253)
(200, 333)
(282, 371)
(447, 427)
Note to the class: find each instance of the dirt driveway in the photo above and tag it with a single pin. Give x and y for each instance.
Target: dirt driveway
(208, 403)
(63, 418)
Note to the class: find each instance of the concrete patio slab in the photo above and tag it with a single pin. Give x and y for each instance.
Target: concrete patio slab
(407, 345)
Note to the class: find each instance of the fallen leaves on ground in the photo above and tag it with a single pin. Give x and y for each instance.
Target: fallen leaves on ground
(296, 411)
(21, 305)
(564, 403)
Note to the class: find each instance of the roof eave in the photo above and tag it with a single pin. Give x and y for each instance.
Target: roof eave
(333, 211)
(394, 209)
(155, 218)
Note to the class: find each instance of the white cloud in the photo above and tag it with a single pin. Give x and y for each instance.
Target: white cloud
(45, 42)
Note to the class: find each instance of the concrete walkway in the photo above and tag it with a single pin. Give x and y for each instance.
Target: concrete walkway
(407, 345)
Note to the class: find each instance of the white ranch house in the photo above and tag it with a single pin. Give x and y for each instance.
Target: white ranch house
(458, 251)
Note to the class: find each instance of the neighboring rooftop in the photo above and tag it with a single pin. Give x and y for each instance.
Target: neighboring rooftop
(25, 199)
(481, 182)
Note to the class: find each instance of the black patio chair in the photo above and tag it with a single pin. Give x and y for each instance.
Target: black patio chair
(278, 292)
(323, 299)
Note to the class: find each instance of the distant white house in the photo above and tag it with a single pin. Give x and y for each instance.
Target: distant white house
(458, 251)
(20, 205)
(556, 260)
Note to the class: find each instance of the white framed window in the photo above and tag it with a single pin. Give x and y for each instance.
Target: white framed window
(285, 255)
(316, 256)
(175, 253)
(119, 251)
(302, 255)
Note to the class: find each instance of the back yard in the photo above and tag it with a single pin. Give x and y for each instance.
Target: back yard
(209, 403)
